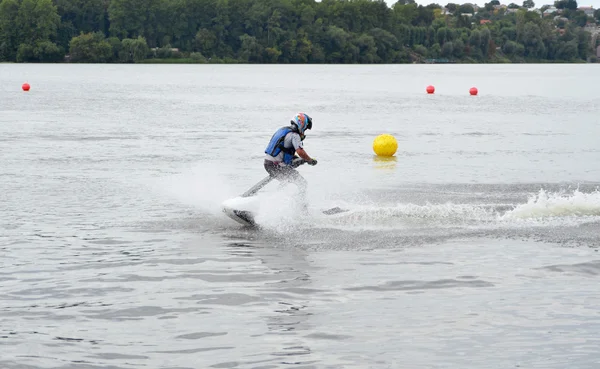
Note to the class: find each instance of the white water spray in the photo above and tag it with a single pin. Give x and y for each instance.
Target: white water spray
(560, 204)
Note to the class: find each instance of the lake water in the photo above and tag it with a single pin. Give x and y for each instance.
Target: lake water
(476, 247)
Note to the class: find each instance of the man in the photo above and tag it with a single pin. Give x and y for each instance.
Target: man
(281, 150)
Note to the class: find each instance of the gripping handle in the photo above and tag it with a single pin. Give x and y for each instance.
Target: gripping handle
(297, 162)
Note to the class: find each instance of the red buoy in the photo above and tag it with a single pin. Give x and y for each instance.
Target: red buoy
(430, 89)
(26, 86)
(473, 91)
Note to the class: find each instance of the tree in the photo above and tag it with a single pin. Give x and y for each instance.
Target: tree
(274, 31)
(512, 49)
(442, 35)
(435, 51)
(463, 22)
(386, 44)
(532, 41)
(304, 48)
(367, 50)
(528, 4)
(458, 48)
(25, 53)
(251, 50)
(448, 49)
(509, 33)
(475, 43)
(205, 42)
(90, 48)
(466, 9)
(579, 17)
(421, 50)
(272, 54)
(405, 2)
(567, 50)
(486, 38)
(583, 44)
(284, 31)
(133, 50)
(566, 4)
(48, 52)
(8, 30)
(405, 14)
(84, 16)
(36, 24)
(134, 18)
(37, 21)
(452, 7)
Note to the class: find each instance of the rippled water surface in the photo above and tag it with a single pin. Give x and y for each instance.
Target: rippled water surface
(475, 247)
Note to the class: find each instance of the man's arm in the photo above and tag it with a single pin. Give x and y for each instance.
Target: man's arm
(300, 151)
(297, 143)
(305, 156)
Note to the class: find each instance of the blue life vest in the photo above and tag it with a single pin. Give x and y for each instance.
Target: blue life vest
(275, 146)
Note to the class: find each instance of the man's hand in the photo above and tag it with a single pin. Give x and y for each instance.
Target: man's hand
(305, 156)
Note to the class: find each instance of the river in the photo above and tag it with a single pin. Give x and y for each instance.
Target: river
(476, 246)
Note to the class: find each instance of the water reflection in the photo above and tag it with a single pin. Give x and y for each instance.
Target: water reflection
(383, 162)
(289, 311)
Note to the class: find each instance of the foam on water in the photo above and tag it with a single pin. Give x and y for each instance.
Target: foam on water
(270, 215)
(544, 209)
(277, 208)
(205, 189)
(560, 204)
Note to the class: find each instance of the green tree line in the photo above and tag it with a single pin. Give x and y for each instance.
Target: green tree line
(289, 31)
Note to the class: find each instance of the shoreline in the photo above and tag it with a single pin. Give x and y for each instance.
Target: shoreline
(187, 61)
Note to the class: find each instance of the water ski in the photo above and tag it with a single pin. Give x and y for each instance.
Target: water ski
(243, 212)
(334, 211)
(243, 208)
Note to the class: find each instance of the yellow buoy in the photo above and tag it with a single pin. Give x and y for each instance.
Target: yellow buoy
(385, 145)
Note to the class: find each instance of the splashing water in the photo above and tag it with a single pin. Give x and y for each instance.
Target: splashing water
(202, 187)
(413, 215)
(541, 209)
(561, 204)
(280, 211)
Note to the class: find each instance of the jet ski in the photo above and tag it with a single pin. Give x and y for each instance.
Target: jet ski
(243, 208)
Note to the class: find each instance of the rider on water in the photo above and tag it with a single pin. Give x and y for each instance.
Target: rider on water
(285, 143)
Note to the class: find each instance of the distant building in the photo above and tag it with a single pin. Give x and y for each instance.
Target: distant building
(561, 19)
(549, 11)
(485, 21)
(173, 49)
(598, 52)
(588, 10)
